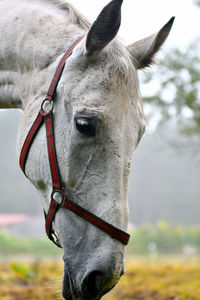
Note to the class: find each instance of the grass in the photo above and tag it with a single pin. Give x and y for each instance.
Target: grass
(160, 279)
(155, 278)
(163, 279)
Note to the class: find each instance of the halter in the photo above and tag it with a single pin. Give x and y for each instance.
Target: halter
(46, 118)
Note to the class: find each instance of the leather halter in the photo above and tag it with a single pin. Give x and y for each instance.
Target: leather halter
(65, 202)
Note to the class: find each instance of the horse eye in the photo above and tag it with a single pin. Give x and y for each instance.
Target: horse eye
(86, 126)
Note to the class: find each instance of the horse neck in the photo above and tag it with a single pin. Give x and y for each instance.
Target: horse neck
(27, 54)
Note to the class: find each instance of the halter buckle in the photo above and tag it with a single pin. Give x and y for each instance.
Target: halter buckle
(47, 106)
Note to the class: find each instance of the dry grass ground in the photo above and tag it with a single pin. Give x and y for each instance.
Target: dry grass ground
(160, 279)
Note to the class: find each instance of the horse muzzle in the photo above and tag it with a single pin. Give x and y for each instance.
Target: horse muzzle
(95, 283)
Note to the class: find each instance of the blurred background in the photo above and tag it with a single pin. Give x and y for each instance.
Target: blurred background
(164, 185)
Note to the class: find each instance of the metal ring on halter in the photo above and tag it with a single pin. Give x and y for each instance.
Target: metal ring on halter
(50, 103)
(57, 196)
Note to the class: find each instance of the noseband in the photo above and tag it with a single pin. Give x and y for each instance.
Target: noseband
(46, 117)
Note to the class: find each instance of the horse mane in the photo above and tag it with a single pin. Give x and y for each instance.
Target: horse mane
(73, 14)
(115, 50)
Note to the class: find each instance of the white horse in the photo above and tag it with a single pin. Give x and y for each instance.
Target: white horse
(100, 84)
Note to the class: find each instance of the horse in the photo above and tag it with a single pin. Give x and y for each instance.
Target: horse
(98, 123)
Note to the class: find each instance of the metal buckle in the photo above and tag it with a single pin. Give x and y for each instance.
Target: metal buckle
(47, 106)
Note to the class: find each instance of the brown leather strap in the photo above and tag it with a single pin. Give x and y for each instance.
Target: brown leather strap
(55, 174)
(29, 139)
(116, 233)
(48, 224)
(58, 73)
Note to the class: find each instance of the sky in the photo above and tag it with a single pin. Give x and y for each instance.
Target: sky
(141, 18)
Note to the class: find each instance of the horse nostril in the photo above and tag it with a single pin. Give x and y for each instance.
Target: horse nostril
(94, 282)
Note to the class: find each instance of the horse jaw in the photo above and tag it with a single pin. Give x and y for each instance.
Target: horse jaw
(97, 168)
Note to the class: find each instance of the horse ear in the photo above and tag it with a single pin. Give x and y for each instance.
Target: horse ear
(105, 28)
(144, 50)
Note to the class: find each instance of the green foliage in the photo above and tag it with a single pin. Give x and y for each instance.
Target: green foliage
(145, 240)
(22, 270)
(179, 91)
(197, 2)
(10, 245)
(164, 239)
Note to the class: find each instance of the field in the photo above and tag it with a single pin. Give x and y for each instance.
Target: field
(152, 276)
(155, 279)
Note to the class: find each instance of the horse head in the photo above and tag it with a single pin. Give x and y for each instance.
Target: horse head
(99, 122)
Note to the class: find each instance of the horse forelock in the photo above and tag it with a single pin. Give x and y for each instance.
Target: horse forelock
(123, 67)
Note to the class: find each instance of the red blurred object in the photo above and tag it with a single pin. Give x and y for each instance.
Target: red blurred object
(7, 219)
